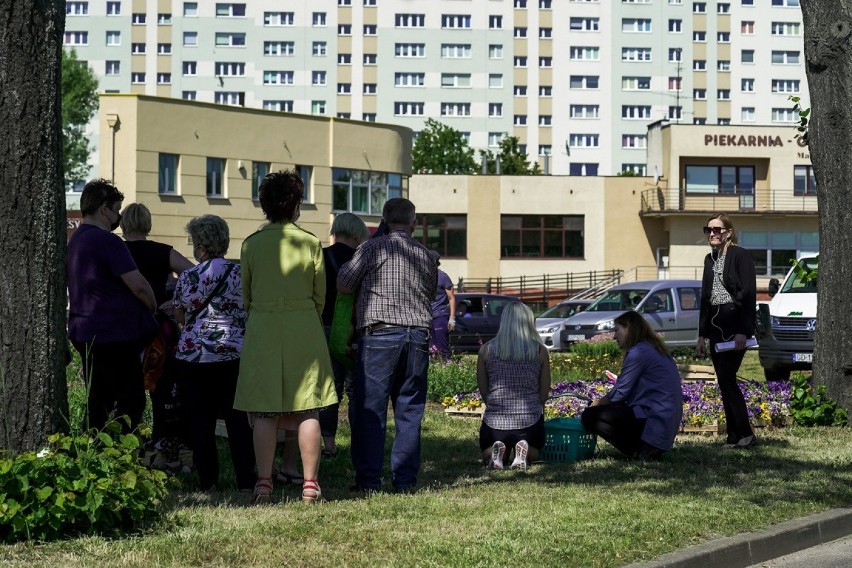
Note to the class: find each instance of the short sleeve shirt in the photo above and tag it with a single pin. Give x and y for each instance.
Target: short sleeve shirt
(441, 303)
(216, 332)
(102, 309)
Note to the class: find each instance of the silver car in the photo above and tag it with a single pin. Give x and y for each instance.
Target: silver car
(670, 306)
(549, 323)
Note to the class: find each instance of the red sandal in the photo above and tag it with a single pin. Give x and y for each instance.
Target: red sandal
(311, 491)
(262, 491)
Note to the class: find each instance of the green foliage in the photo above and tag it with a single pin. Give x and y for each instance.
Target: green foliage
(513, 162)
(804, 272)
(603, 349)
(627, 173)
(79, 103)
(802, 126)
(80, 484)
(440, 149)
(451, 377)
(812, 407)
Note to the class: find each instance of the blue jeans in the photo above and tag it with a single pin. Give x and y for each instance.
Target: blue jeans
(393, 364)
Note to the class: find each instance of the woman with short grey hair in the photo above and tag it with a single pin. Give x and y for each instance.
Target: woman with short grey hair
(210, 233)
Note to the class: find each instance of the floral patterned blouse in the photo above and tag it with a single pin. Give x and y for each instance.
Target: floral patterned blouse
(216, 332)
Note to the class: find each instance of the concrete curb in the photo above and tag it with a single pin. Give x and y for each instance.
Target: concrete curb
(745, 549)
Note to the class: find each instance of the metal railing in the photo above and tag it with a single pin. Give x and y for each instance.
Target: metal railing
(671, 200)
(542, 289)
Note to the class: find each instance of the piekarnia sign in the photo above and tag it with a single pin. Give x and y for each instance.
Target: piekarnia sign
(741, 140)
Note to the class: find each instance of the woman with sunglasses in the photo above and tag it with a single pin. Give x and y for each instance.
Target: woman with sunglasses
(728, 302)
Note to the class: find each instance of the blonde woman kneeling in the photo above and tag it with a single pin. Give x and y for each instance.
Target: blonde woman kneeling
(513, 373)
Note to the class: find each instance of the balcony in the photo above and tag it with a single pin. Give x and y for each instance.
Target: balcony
(666, 201)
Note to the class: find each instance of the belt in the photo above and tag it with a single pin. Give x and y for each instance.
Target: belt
(376, 326)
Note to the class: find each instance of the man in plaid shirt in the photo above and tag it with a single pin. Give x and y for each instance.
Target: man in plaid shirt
(395, 278)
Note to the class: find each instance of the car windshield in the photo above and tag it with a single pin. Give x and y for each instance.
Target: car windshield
(617, 300)
(562, 311)
(804, 280)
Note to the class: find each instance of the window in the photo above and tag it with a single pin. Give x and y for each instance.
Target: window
(545, 4)
(318, 78)
(495, 51)
(545, 62)
(495, 81)
(520, 120)
(278, 18)
(583, 140)
(545, 33)
(455, 109)
(307, 175)
(344, 88)
(410, 20)
(370, 29)
(584, 81)
(344, 29)
(747, 85)
(675, 83)
(699, 65)
(495, 22)
(113, 8)
(723, 8)
(723, 37)
(724, 65)
(636, 25)
(112, 68)
(318, 107)
(699, 120)
(236, 69)
(344, 59)
(785, 57)
(76, 38)
(747, 2)
(520, 32)
(730, 180)
(410, 50)
(137, 78)
(318, 19)
(215, 177)
(277, 77)
(188, 95)
(76, 8)
(319, 48)
(113, 38)
(369, 2)
(361, 191)
(520, 90)
(804, 182)
(747, 56)
(138, 19)
(545, 120)
(190, 68)
(699, 36)
(585, 111)
(584, 53)
(634, 141)
(164, 19)
(784, 115)
(455, 50)
(369, 59)
(446, 234)
(631, 83)
(748, 114)
(584, 24)
(279, 48)
(164, 48)
(167, 174)
(232, 98)
(541, 236)
(747, 27)
(785, 85)
(699, 7)
(283, 106)
(190, 39)
(520, 4)
(723, 94)
(675, 26)
(675, 113)
(164, 78)
(455, 80)
(228, 39)
(409, 79)
(455, 21)
(545, 91)
(786, 28)
(675, 54)
(545, 150)
(224, 10)
(344, 115)
(494, 139)
(636, 54)
(635, 111)
(138, 48)
(699, 94)
(786, 3)
(723, 121)
(520, 61)
(368, 117)
(408, 109)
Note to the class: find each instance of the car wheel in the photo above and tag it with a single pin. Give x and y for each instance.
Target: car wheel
(776, 374)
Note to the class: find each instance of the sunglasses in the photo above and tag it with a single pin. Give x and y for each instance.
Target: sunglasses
(715, 230)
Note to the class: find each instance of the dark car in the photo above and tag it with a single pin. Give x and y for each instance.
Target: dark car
(477, 319)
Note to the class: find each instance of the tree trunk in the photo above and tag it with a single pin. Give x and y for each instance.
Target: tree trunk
(33, 391)
(828, 59)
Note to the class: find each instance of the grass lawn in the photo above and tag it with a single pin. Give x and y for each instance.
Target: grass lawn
(600, 512)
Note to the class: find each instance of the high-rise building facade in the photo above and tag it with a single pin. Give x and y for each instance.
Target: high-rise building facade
(577, 81)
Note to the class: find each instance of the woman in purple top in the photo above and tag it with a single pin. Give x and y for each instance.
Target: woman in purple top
(641, 414)
(443, 315)
(209, 304)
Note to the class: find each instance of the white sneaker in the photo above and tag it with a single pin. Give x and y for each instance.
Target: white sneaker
(521, 450)
(497, 452)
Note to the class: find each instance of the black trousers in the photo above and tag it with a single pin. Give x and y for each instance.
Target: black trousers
(113, 373)
(616, 424)
(727, 363)
(210, 389)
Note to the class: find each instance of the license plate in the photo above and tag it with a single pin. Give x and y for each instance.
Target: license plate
(803, 357)
(576, 338)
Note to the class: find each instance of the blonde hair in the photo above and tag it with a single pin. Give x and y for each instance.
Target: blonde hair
(136, 220)
(517, 339)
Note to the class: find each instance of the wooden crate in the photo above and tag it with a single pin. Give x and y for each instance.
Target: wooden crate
(465, 412)
(706, 430)
(697, 372)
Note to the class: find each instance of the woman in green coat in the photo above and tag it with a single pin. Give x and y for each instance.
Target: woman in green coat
(285, 370)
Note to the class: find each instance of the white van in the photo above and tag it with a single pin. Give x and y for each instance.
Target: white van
(786, 324)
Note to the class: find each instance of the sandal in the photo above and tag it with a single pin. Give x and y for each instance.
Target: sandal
(262, 491)
(311, 491)
(288, 479)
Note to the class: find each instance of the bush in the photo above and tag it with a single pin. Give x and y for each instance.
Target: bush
(451, 377)
(80, 484)
(812, 407)
(599, 349)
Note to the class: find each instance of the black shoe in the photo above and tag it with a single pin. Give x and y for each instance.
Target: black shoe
(747, 442)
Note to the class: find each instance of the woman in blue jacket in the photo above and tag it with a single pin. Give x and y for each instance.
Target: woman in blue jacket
(641, 414)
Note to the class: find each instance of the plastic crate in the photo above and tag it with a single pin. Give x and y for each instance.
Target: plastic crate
(565, 440)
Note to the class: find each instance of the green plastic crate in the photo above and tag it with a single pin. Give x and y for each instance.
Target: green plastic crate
(565, 440)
